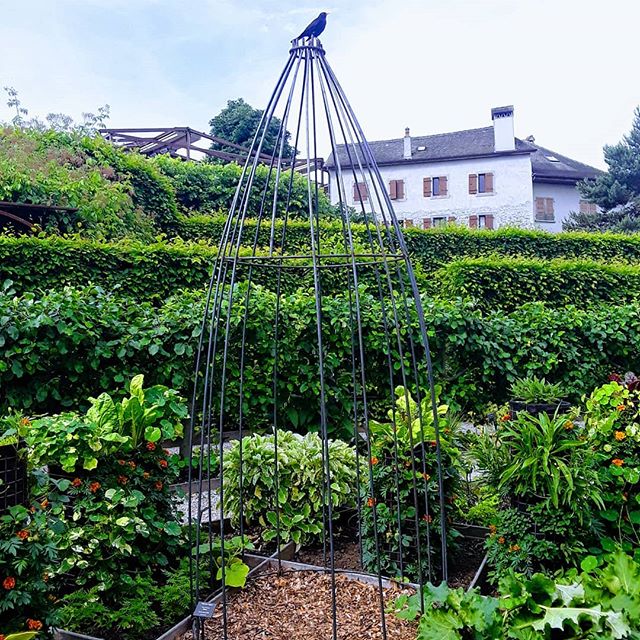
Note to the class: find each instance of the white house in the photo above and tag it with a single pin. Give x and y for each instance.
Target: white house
(479, 177)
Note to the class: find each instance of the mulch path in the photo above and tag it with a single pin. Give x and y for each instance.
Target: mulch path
(297, 606)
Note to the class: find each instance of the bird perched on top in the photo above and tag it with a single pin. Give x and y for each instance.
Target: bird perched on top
(315, 28)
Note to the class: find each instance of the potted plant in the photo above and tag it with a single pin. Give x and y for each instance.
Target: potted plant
(535, 396)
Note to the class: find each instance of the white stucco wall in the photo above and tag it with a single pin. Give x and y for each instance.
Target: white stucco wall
(565, 199)
(511, 202)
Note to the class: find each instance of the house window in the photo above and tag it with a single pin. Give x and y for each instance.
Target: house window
(396, 189)
(544, 210)
(485, 221)
(588, 207)
(440, 221)
(360, 192)
(408, 223)
(433, 187)
(480, 183)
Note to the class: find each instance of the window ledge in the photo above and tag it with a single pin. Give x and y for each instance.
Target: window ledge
(484, 195)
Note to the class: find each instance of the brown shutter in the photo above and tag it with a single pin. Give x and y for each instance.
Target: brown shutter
(426, 187)
(408, 223)
(488, 221)
(550, 210)
(473, 222)
(360, 193)
(473, 185)
(356, 192)
(393, 191)
(488, 182)
(452, 219)
(443, 185)
(400, 189)
(426, 222)
(540, 208)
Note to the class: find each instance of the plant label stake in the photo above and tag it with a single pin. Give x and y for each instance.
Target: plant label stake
(204, 610)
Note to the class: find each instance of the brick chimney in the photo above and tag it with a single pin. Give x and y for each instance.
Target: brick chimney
(407, 144)
(503, 136)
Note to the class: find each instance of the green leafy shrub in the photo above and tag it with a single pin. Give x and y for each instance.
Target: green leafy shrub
(508, 283)
(116, 193)
(534, 390)
(403, 492)
(292, 497)
(599, 603)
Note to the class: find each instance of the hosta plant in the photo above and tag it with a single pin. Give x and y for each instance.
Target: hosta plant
(289, 495)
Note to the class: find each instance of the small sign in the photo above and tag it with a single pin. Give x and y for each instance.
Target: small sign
(204, 609)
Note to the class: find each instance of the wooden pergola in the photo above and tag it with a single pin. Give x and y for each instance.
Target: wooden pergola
(27, 216)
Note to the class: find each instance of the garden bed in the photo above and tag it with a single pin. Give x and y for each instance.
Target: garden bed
(298, 605)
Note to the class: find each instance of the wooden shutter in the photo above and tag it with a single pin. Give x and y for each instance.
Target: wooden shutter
(393, 189)
(443, 185)
(540, 208)
(426, 187)
(473, 187)
(400, 189)
(360, 191)
(452, 219)
(488, 221)
(426, 222)
(550, 210)
(488, 182)
(473, 222)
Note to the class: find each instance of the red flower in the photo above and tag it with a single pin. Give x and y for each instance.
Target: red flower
(34, 625)
(76, 482)
(23, 535)
(9, 583)
(158, 485)
(121, 463)
(427, 518)
(122, 480)
(163, 463)
(2, 636)
(614, 377)
(94, 486)
(151, 446)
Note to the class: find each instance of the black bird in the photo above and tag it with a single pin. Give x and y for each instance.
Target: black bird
(315, 28)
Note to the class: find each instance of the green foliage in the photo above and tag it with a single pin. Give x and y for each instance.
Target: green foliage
(600, 604)
(533, 390)
(116, 193)
(400, 504)
(238, 123)
(202, 187)
(509, 283)
(289, 494)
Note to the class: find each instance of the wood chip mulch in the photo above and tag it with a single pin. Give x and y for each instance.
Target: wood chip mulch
(297, 606)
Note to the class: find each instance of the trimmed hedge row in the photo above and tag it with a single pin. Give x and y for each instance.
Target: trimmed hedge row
(58, 349)
(435, 247)
(509, 283)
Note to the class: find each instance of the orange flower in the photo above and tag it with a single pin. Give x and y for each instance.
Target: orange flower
(146, 475)
(493, 529)
(76, 482)
(426, 476)
(9, 583)
(34, 625)
(94, 486)
(151, 446)
(23, 535)
(25, 422)
(506, 417)
(121, 463)
(568, 425)
(427, 518)
(374, 460)
(158, 485)
(514, 547)
(370, 502)
(501, 540)
(132, 464)
(163, 463)
(122, 480)
(617, 462)
(620, 407)
(619, 435)
(44, 504)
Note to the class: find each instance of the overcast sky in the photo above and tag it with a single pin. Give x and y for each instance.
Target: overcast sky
(570, 67)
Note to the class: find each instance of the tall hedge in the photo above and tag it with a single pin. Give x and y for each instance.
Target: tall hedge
(60, 348)
(499, 283)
